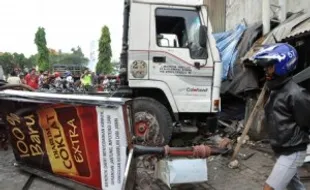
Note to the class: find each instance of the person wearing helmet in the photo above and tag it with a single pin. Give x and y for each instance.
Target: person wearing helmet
(69, 79)
(57, 75)
(287, 115)
(57, 80)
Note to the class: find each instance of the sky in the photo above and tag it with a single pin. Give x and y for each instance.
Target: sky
(67, 23)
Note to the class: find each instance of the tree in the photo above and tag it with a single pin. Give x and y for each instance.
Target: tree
(104, 65)
(20, 61)
(33, 60)
(116, 67)
(6, 61)
(43, 51)
(76, 57)
(11, 61)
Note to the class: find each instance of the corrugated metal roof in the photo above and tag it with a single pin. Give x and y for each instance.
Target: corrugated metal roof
(303, 28)
(286, 28)
(294, 26)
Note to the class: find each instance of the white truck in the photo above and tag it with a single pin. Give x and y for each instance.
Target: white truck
(170, 67)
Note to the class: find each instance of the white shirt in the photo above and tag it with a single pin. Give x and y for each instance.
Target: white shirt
(58, 82)
(14, 80)
(70, 79)
(106, 81)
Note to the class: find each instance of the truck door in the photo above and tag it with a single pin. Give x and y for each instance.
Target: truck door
(177, 59)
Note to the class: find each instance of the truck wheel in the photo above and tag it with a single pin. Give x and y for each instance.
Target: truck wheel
(257, 131)
(152, 122)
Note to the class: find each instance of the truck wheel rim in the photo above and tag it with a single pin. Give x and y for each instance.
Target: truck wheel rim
(147, 128)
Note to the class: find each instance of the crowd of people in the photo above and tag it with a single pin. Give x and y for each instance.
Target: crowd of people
(45, 80)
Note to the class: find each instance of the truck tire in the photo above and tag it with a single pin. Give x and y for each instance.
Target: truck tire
(257, 131)
(152, 122)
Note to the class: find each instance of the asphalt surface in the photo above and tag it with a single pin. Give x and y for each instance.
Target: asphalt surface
(250, 175)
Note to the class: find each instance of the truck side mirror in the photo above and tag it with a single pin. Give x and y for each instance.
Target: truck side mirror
(203, 33)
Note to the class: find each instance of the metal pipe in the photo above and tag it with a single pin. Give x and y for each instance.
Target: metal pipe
(283, 10)
(266, 16)
(199, 151)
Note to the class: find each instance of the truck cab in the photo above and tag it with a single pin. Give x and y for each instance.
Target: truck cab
(170, 66)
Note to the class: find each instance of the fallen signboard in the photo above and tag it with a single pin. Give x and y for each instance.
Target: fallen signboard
(85, 142)
(79, 141)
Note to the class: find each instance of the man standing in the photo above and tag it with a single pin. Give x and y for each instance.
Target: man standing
(287, 115)
(69, 79)
(32, 79)
(58, 81)
(86, 80)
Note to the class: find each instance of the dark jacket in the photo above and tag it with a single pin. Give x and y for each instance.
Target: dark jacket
(287, 113)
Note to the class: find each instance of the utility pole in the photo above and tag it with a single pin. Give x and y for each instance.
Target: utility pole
(283, 10)
(266, 16)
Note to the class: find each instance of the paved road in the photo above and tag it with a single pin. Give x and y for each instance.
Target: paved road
(249, 176)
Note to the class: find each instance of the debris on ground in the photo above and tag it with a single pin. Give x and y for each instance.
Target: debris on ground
(233, 164)
(304, 171)
(245, 140)
(245, 156)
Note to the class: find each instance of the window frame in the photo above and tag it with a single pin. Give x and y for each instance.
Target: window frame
(177, 9)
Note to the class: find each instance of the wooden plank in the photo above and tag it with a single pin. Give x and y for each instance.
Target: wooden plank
(259, 105)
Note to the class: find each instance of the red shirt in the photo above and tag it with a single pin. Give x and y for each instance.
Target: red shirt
(32, 81)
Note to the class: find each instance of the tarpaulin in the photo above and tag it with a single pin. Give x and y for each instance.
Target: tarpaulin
(227, 43)
(239, 79)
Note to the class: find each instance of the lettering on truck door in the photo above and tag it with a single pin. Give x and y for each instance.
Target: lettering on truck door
(174, 54)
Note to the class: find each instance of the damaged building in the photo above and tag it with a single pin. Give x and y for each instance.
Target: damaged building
(241, 33)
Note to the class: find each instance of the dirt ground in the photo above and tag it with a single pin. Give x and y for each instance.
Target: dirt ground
(250, 175)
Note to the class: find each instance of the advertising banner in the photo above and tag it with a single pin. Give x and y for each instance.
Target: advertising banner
(113, 148)
(84, 143)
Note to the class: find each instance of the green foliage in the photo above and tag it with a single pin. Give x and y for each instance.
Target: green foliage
(116, 67)
(44, 58)
(22, 62)
(6, 61)
(104, 65)
(10, 61)
(43, 52)
(76, 57)
(33, 60)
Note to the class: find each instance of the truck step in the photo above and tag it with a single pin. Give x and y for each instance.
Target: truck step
(185, 129)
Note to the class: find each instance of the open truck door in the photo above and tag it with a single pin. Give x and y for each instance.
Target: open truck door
(177, 58)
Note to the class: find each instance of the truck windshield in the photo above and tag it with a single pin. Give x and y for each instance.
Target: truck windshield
(184, 24)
